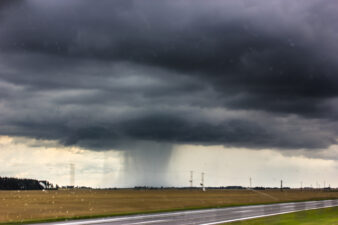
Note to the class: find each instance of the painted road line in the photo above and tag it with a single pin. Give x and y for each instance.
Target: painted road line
(147, 222)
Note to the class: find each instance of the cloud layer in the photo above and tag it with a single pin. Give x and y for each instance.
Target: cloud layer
(114, 74)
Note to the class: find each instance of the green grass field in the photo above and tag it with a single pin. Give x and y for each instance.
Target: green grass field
(328, 216)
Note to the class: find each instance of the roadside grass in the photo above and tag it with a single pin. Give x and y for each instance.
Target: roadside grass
(17, 207)
(327, 216)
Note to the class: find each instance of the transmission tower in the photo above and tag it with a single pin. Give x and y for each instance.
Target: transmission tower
(202, 181)
(191, 178)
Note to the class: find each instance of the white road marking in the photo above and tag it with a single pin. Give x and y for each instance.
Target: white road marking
(246, 210)
(152, 221)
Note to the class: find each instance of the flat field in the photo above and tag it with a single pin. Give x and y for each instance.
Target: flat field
(327, 216)
(41, 205)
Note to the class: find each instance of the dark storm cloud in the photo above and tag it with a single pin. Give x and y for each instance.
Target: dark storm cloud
(237, 73)
(7, 3)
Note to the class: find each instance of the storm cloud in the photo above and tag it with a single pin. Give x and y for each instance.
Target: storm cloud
(114, 74)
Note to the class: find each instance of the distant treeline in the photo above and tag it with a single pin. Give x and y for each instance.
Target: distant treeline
(230, 188)
(221, 187)
(9, 183)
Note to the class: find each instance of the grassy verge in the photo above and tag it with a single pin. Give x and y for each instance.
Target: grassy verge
(327, 216)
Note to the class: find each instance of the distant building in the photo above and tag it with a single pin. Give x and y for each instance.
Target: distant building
(45, 184)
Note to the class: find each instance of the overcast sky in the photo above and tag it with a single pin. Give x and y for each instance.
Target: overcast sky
(141, 82)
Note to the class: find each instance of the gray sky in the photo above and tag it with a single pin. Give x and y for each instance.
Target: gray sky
(143, 79)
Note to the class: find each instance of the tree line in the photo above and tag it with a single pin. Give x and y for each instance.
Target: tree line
(10, 183)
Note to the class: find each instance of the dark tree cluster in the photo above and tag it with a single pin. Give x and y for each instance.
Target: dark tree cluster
(9, 183)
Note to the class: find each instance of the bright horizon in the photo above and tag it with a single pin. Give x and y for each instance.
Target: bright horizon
(108, 169)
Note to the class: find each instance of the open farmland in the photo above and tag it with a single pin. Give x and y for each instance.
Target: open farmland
(36, 205)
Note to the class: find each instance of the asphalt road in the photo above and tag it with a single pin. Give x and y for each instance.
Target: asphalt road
(207, 216)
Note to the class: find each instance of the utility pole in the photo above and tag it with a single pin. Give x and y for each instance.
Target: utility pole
(250, 180)
(202, 181)
(191, 178)
(281, 185)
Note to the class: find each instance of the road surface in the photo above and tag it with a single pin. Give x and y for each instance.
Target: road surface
(206, 216)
